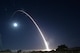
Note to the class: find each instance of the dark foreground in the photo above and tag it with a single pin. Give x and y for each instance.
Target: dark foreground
(60, 49)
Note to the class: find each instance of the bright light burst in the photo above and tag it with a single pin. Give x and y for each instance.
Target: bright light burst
(15, 24)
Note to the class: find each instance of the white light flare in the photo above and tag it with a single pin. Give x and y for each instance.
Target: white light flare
(45, 42)
(15, 24)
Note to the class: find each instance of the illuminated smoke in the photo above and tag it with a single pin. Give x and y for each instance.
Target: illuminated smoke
(45, 42)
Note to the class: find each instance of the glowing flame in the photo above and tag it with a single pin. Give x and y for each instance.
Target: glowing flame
(45, 42)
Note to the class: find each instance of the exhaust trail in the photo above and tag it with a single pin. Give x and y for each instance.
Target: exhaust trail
(45, 42)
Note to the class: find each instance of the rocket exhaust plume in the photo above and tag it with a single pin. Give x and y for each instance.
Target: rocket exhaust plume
(45, 42)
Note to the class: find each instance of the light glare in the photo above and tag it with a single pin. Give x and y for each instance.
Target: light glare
(15, 24)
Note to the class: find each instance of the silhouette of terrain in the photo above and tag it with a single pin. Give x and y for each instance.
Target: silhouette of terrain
(61, 49)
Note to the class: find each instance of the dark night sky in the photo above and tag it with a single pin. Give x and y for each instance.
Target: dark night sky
(59, 20)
